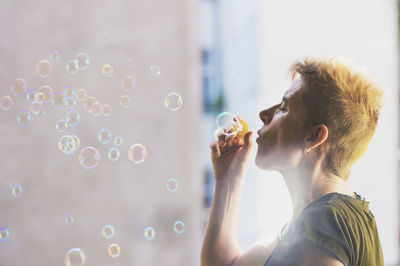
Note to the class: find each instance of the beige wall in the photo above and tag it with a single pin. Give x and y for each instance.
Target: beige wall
(131, 36)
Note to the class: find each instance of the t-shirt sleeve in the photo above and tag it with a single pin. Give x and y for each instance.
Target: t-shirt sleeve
(328, 228)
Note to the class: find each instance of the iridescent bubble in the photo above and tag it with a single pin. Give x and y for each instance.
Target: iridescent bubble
(24, 118)
(155, 71)
(75, 257)
(125, 101)
(17, 190)
(172, 185)
(61, 125)
(40, 97)
(73, 118)
(69, 91)
(81, 95)
(82, 60)
(6, 102)
(105, 136)
(69, 219)
(137, 153)
(173, 101)
(18, 87)
(118, 141)
(106, 110)
(227, 124)
(114, 250)
(179, 227)
(87, 104)
(31, 95)
(4, 234)
(68, 144)
(36, 107)
(108, 231)
(72, 66)
(48, 93)
(107, 70)
(44, 68)
(58, 100)
(113, 154)
(149, 233)
(54, 56)
(70, 102)
(41, 113)
(89, 157)
(128, 83)
(96, 109)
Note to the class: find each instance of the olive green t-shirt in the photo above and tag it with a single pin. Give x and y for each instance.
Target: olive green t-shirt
(342, 224)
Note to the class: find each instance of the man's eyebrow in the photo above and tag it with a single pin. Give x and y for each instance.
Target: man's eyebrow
(284, 99)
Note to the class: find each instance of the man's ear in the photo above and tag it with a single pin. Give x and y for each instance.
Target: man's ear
(318, 136)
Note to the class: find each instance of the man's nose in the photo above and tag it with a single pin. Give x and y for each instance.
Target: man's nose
(267, 114)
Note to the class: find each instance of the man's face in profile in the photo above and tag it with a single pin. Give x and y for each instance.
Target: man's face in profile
(280, 139)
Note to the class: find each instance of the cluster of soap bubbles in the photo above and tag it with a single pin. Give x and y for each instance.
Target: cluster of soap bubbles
(227, 124)
(150, 233)
(80, 62)
(105, 137)
(92, 105)
(114, 249)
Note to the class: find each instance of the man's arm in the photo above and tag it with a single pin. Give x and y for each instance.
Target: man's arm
(220, 247)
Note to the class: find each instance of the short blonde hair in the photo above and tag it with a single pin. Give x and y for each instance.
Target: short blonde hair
(344, 99)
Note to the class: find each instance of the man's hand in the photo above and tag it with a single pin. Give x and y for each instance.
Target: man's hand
(230, 156)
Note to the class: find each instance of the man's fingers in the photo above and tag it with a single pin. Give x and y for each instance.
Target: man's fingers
(215, 151)
(247, 139)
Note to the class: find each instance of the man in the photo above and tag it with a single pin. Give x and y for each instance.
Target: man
(322, 126)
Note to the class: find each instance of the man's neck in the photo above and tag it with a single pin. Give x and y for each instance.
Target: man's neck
(310, 183)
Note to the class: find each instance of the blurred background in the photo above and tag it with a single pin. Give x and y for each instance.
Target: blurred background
(108, 109)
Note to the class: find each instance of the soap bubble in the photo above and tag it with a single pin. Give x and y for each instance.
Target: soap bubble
(36, 107)
(179, 227)
(227, 124)
(108, 231)
(54, 56)
(96, 109)
(89, 157)
(105, 136)
(24, 118)
(107, 70)
(41, 113)
(87, 104)
(173, 101)
(6, 102)
(58, 100)
(172, 185)
(18, 87)
(48, 93)
(149, 233)
(17, 190)
(125, 101)
(72, 66)
(4, 234)
(68, 144)
(70, 102)
(128, 83)
(31, 95)
(137, 153)
(113, 154)
(114, 250)
(106, 110)
(73, 118)
(61, 125)
(75, 257)
(81, 95)
(69, 91)
(40, 97)
(155, 71)
(44, 68)
(82, 60)
(118, 141)
(69, 219)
